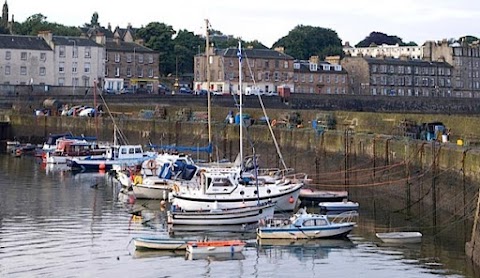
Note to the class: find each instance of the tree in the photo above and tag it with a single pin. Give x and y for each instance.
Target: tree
(468, 39)
(158, 36)
(94, 21)
(38, 22)
(378, 38)
(186, 46)
(305, 41)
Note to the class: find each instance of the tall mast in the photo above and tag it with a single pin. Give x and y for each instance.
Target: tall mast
(239, 54)
(209, 108)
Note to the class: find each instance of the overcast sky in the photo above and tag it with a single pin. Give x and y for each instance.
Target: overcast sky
(268, 21)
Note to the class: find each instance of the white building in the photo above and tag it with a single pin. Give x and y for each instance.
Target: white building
(394, 51)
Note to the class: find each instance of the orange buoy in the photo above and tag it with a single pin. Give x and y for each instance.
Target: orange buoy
(291, 200)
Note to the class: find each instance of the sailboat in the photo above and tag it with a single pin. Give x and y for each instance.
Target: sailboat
(234, 187)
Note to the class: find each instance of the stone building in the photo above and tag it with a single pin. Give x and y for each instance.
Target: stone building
(465, 59)
(264, 69)
(25, 60)
(394, 51)
(319, 77)
(77, 61)
(130, 66)
(398, 77)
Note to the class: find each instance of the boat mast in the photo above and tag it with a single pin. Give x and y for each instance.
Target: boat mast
(209, 108)
(239, 54)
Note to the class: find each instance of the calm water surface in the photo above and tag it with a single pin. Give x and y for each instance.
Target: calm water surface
(55, 224)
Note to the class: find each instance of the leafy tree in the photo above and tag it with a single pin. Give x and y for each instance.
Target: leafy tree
(94, 21)
(468, 39)
(186, 46)
(377, 38)
(305, 41)
(38, 22)
(158, 36)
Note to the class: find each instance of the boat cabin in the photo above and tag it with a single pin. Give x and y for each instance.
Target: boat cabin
(125, 152)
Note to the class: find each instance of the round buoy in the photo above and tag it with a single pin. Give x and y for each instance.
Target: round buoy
(291, 200)
(101, 166)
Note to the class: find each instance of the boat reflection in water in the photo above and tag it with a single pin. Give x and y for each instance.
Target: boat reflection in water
(302, 248)
(149, 253)
(215, 257)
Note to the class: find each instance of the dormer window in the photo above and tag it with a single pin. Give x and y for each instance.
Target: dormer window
(313, 67)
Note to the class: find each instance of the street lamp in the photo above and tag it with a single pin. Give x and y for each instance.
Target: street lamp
(134, 67)
(74, 55)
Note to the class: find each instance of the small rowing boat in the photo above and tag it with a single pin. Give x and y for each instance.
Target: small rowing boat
(215, 246)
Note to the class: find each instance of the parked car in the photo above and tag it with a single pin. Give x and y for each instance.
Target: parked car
(184, 90)
(127, 91)
(201, 92)
(142, 90)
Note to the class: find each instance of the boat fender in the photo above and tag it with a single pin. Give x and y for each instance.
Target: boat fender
(176, 188)
(274, 122)
(151, 164)
(291, 200)
(137, 180)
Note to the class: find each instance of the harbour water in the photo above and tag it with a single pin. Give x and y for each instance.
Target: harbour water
(57, 224)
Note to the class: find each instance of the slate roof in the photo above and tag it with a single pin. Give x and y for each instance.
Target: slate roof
(410, 62)
(121, 46)
(23, 42)
(305, 67)
(123, 31)
(79, 41)
(92, 31)
(254, 53)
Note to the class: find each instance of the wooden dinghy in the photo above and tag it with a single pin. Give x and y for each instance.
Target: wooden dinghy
(215, 246)
(400, 237)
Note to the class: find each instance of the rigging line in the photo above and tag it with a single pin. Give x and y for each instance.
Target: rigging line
(122, 136)
(277, 147)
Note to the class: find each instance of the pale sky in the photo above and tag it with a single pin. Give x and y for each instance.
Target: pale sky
(268, 21)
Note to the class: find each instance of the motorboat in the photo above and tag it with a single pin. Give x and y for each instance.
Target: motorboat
(303, 225)
(215, 216)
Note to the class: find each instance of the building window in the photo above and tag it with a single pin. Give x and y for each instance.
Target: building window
(75, 51)
(313, 67)
(117, 57)
(7, 70)
(277, 64)
(150, 59)
(87, 68)
(276, 76)
(259, 76)
(285, 64)
(150, 72)
(8, 55)
(267, 65)
(74, 67)
(61, 51)
(88, 53)
(42, 71)
(129, 58)
(140, 59)
(61, 81)
(139, 72)
(267, 76)
(117, 71)
(61, 67)
(23, 56)
(129, 72)
(75, 81)
(311, 78)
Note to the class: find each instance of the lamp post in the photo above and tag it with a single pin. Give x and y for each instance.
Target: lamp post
(73, 56)
(134, 67)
